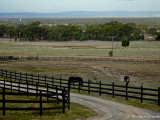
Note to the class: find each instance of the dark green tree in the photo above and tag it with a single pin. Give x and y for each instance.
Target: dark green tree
(2, 30)
(125, 42)
(10, 31)
(32, 32)
(152, 31)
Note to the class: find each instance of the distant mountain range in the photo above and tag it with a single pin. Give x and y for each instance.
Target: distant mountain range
(80, 14)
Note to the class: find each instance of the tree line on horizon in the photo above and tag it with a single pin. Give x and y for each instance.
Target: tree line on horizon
(108, 31)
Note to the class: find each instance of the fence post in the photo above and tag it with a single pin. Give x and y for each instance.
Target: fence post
(38, 78)
(11, 85)
(100, 88)
(63, 98)
(10, 75)
(2, 74)
(40, 101)
(27, 88)
(20, 76)
(68, 100)
(45, 79)
(126, 92)
(4, 106)
(4, 83)
(26, 77)
(60, 82)
(47, 92)
(159, 96)
(36, 90)
(6, 74)
(52, 81)
(141, 94)
(113, 89)
(19, 86)
(57, 92)
(88, 87)
(15, 76)
(32, 79)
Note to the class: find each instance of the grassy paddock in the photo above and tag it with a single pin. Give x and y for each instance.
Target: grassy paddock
(80, 48)
(106, 72)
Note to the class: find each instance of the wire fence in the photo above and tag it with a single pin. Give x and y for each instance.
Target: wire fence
(4, 59)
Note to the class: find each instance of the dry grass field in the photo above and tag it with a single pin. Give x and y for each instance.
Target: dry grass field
(150, 49)
(146, 74)
(107, 72)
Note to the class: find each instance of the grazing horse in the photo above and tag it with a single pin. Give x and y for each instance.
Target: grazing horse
(73, 80)
(126, 79)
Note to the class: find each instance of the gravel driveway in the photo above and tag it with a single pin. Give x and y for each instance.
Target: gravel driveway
(111, 110)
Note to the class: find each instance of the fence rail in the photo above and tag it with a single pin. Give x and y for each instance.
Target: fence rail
(59, 95)
(40, 101)
(100, 88)
(137, 60)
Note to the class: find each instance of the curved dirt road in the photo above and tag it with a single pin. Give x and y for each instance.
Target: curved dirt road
(109, 110)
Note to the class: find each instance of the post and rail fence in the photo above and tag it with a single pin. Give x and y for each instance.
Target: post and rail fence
(128, 92)
(57, 96)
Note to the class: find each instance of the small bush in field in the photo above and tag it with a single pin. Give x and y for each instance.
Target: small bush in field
(125, 42)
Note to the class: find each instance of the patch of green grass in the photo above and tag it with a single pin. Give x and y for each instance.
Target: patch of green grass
(48, 69)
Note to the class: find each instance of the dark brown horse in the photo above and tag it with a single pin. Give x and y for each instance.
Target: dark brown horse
(74, 80)
(126, 80)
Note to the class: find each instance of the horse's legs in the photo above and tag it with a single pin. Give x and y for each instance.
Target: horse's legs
(82, 83)
(127, 83)
(69, 85)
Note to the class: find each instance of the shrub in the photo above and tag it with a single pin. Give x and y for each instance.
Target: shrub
(125, 42)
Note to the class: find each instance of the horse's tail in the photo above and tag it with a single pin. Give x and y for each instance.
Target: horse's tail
(82, 83)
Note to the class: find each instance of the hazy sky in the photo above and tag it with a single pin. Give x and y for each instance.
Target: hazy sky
(78, 5)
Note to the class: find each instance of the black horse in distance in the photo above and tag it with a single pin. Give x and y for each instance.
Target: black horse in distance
(126, 80)
(75, 80)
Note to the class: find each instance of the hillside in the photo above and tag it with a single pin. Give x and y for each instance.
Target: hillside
(76, 14)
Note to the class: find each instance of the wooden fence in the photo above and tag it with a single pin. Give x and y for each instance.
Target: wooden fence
(59, 95)
(136, 60)
(128, 92)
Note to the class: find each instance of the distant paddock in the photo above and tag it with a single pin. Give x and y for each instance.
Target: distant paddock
(140, 49)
